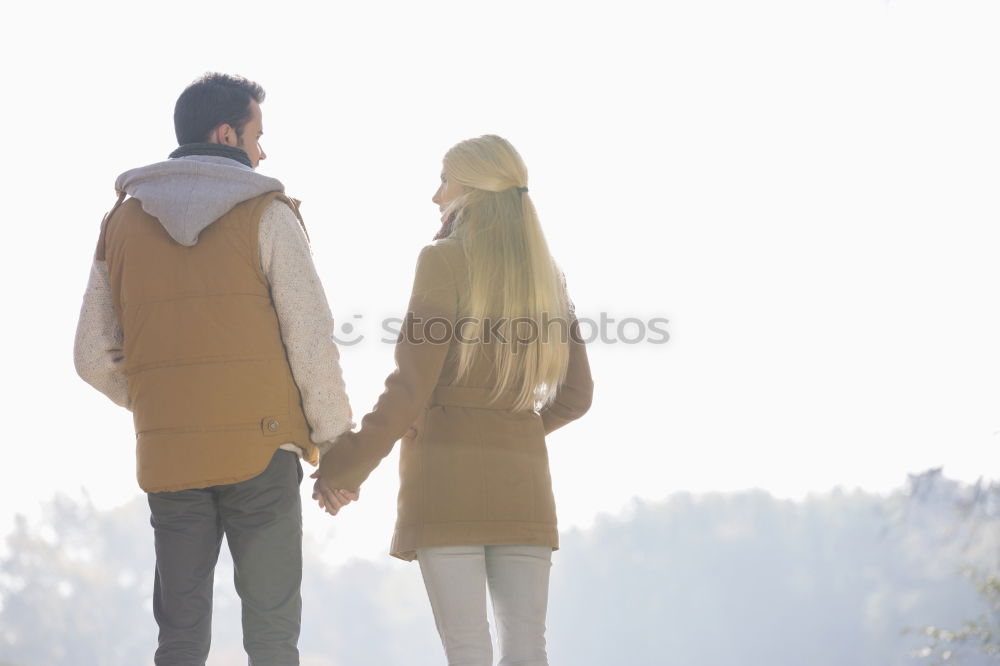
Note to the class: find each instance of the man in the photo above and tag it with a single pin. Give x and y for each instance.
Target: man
(204, 316)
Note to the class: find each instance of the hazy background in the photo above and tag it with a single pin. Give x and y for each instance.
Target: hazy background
(736, 579)
(805, 189)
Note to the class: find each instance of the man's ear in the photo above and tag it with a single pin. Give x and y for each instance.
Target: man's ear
(224, 134)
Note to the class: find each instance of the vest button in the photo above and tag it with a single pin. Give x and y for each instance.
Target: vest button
(272, 425)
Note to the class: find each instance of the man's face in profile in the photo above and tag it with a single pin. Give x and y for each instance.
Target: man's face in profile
(249, 139)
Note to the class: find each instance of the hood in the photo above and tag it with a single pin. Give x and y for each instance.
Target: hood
(189, 193)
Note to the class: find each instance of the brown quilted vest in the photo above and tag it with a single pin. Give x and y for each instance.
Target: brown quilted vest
(211, 390)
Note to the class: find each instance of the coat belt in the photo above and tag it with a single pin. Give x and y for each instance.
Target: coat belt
(470, 396)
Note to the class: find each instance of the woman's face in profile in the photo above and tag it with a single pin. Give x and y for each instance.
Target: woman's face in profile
(446, 193)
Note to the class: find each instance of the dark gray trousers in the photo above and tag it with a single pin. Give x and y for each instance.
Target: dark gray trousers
(262, 520)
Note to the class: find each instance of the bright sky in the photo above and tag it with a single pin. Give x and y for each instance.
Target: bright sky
(805, 189)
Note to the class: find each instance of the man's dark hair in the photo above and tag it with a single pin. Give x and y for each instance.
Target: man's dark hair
(212, 100)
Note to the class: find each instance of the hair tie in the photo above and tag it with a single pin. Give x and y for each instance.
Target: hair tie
(522, 190)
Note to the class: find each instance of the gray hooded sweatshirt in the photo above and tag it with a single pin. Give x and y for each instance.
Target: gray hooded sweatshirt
(189, 193)
(186, 195)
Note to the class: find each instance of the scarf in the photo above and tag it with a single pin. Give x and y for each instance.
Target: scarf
(214, 149)
(446, 227)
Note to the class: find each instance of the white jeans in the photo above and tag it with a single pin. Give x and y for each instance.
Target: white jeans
(456, 578)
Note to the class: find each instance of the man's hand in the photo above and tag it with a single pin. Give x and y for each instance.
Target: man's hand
(331, 500)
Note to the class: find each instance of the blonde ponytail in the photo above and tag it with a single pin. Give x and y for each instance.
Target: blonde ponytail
(512, 275)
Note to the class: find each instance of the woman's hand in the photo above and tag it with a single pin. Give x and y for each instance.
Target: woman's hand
(331, 500)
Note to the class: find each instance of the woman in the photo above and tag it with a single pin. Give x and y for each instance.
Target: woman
(489, 361)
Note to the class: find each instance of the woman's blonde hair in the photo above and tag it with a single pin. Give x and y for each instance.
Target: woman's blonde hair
(513, 277)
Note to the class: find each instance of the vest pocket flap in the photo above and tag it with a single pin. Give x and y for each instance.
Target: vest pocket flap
(274, 425)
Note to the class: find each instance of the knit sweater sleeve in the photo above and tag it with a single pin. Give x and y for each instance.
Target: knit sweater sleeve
(420, 355)
(98, 349)
(306, 323)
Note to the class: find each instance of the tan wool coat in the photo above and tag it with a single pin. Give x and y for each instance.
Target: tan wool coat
(470, 472)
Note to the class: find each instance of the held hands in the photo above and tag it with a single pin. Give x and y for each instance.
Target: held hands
(331, 500)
